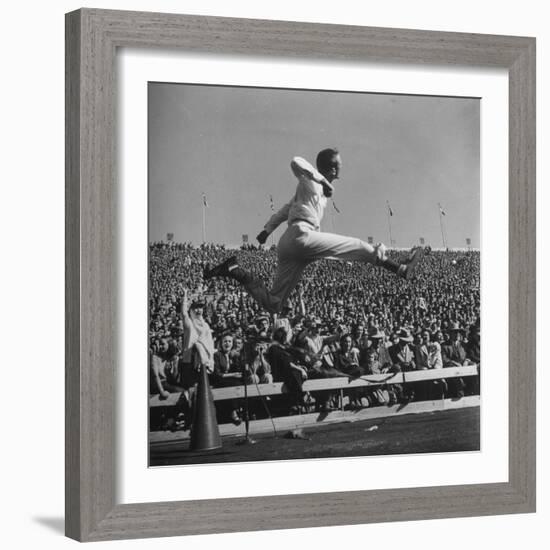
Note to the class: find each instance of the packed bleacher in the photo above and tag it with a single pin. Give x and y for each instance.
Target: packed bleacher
(345, 319)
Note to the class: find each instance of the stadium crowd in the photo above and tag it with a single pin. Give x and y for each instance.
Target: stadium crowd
(344, 319)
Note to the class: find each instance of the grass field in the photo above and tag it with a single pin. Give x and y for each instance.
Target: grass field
(435, 432)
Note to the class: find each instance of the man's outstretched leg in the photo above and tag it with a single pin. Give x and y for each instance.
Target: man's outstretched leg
(287, 277)
(405, 269)
(317, 246)
(314, 245)
(228, 268)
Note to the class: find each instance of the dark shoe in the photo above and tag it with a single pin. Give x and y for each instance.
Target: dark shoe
(235, 418)
(221, 270)
(407, 269)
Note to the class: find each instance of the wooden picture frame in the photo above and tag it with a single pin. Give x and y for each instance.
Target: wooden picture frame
(92, 38)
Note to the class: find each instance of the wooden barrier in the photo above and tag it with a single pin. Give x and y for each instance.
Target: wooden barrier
(320, 384)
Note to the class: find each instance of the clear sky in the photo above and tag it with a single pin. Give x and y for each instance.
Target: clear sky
(235, 145)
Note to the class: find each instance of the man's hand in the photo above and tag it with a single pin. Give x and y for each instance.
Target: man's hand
(262, 237)
(300, 369)
(184, 301)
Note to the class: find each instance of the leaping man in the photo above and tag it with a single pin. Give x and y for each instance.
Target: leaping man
(303, 242)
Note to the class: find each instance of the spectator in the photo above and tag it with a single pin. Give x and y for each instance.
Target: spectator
(428, 356)
(454, 355)
(262, 328)
(198, 344)
(401, 354)
(286, 369)
(227, 372)
(259, 368)
(377, 359)
(238, 346)
(473, 353)
(341, 298)
(226, 361)
(311, 340)
(473, 347)
(288, 319)
(164, 370)
(359, 337)
(346, 359)
(402, 357)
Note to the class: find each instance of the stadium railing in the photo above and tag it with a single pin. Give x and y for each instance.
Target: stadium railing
(321, 384)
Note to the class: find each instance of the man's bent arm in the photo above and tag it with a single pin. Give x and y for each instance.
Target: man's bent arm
(302, 168)
(278, 218)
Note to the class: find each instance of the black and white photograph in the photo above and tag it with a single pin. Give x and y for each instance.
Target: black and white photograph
(266, 245)
(314, 274)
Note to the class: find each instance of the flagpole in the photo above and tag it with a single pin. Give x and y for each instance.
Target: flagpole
(441, 225)
(203, 224)
(272, 208)
(389, 223)
(203, 218)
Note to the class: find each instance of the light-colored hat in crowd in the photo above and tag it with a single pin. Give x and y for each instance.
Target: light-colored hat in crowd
(455, 327)
(375, 332)
(404, 335)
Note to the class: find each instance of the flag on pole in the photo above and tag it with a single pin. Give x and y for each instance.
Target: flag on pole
(441, 210)
(389, 208)
(204, 201)
(271, 205)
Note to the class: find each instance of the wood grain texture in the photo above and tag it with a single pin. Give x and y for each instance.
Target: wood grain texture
(522, 275)
(72, 277)
(92, 38)
(313, 510)
(295, 39)
(90, 284)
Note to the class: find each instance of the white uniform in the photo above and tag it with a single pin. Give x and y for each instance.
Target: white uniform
(303, 242)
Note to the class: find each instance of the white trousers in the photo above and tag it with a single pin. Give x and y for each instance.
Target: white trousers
(299, 246)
